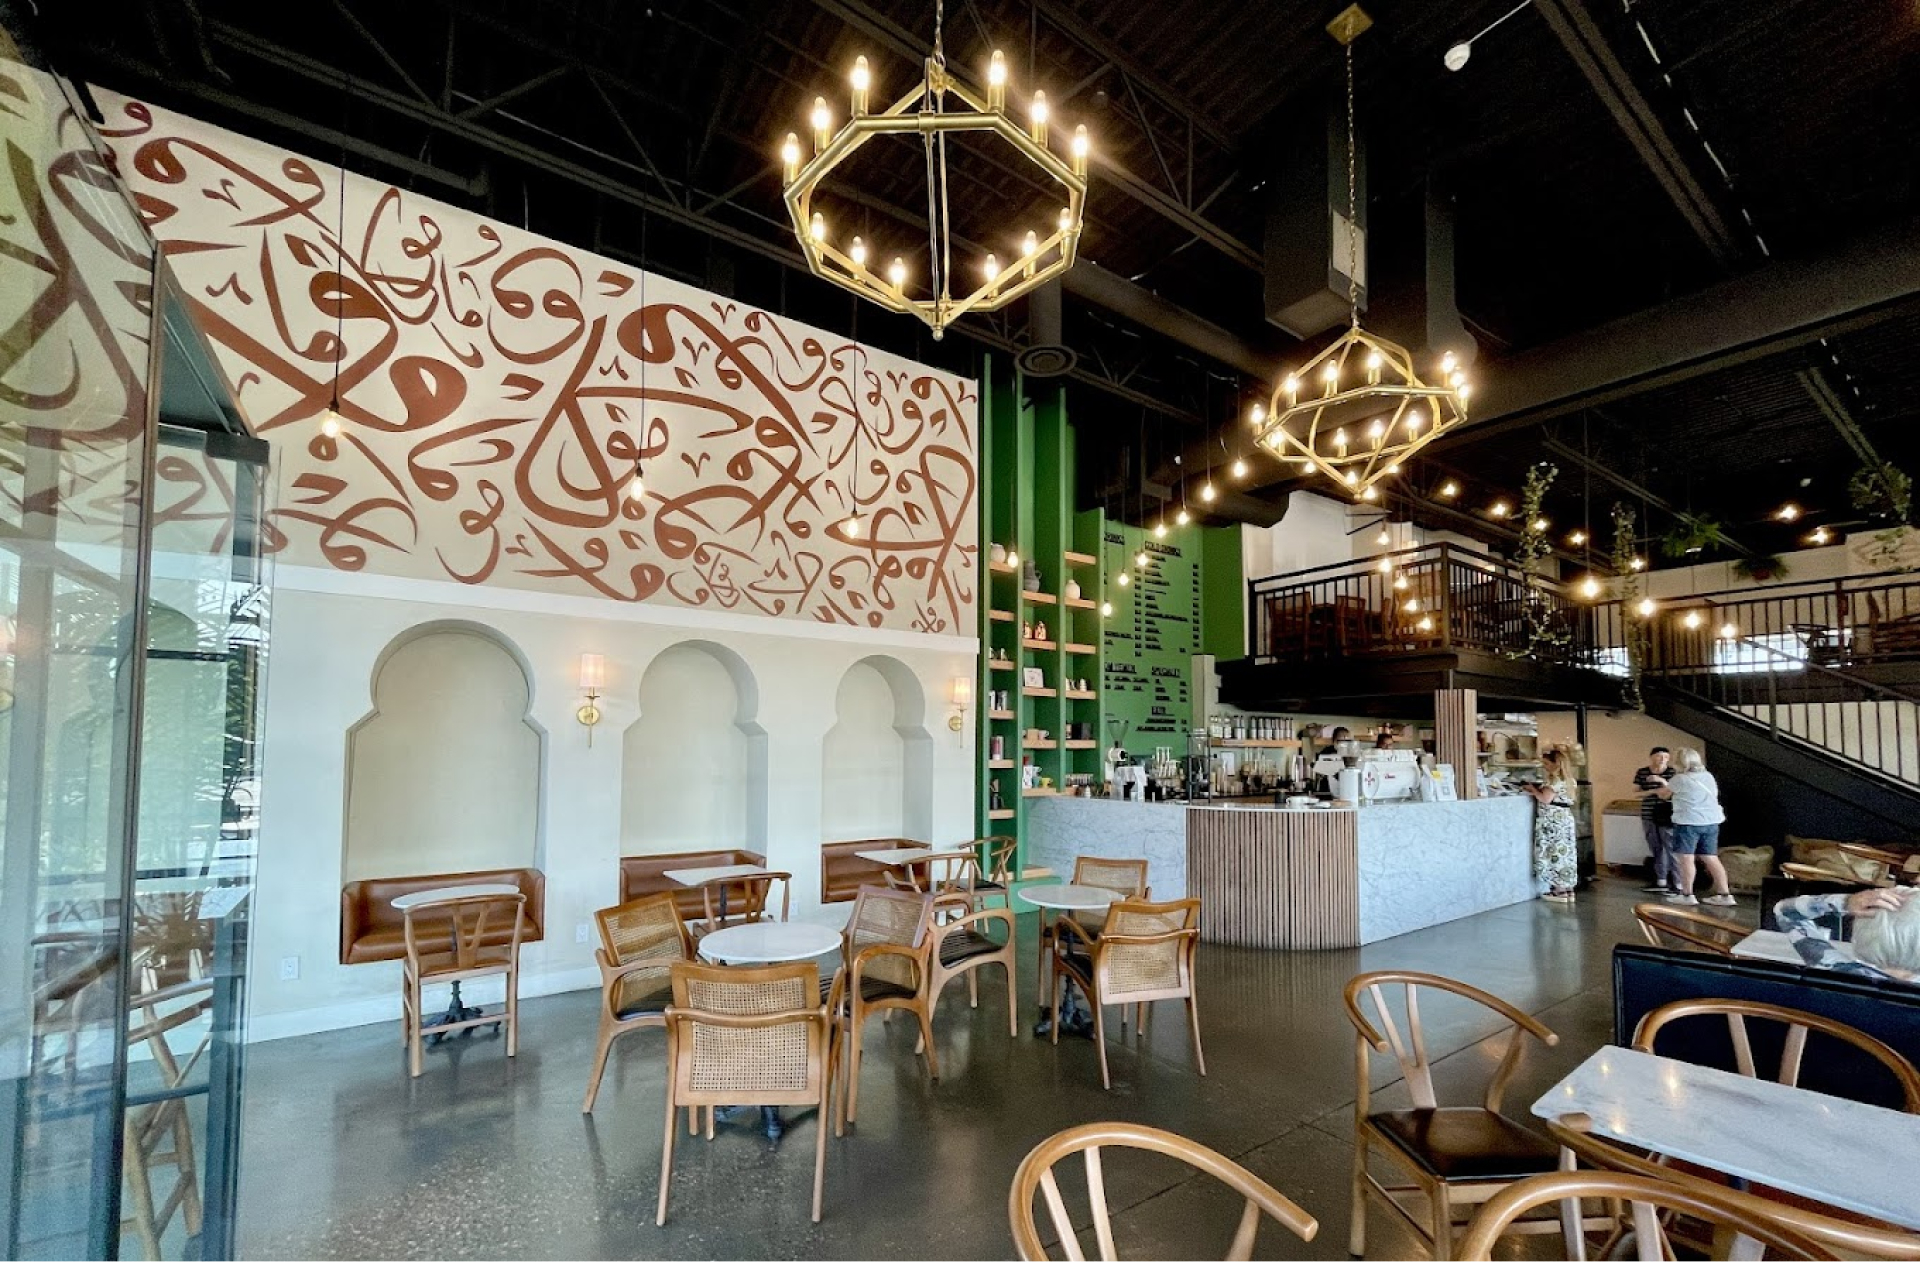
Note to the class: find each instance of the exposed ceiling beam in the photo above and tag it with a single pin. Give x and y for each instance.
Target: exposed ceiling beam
(1575, 456)
(1587, 45)
(1834, 408)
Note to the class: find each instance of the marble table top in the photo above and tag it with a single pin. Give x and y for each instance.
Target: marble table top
(1771, 944)
(1819, 1146)
(720, 872)
(896, 858)
(447, 893)
(1070, 897)
(769, 942)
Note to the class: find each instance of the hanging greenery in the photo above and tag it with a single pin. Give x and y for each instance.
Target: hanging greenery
(1634, 630)
(1546, 630)
(1694, 535)
(1760, 569)
(1884, 492)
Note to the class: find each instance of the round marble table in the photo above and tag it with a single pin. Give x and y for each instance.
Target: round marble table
(1059, 898)
(769, 942)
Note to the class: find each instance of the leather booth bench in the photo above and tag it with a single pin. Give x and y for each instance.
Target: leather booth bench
(843, 871)
(644, 874)
(372, 929)
(1646, 977)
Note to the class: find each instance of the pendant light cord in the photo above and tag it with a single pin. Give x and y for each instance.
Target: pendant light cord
(340, 288)
(1353, 211)
(939, 240)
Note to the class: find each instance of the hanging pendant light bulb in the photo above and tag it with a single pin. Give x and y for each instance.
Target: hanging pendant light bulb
(1207, 493)
(1106, 609)
(1182, 517)
(1123, 578)
(1239, 467)
(1141, 559)
(1160, 529)
(637, 484)
(1590, 587)
(852, 526)
(330, 423)
(1384, 538)
(1693, 620)
(1646, 607)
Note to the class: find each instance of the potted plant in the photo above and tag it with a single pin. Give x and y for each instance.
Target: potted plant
(1694, 535)
(1760, 569)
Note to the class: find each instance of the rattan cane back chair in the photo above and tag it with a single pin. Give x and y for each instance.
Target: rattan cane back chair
(1036, 1174)
(886, 949)
(1646, 1198)
(640, 941)
(1144, 954)
(467, 957)
(1456, 1155)
(1125, 877)
(1895, 867)
(1850, 1236)
(1799, 1024)
(1682, 928)
(749, 1036)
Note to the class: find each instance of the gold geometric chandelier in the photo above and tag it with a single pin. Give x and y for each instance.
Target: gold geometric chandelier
(1358, 411)
(1033, 259)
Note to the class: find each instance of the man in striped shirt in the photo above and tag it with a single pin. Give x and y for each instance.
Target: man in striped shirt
(1656, 817)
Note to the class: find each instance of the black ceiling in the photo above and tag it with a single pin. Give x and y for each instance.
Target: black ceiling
(1601, 158)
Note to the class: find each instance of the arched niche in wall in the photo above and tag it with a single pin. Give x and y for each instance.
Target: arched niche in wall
(445, 773)
(693, 766)
(876, 765)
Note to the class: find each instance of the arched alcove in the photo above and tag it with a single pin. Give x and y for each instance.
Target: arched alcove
(693, 766)
(876, 765)
(445, 774)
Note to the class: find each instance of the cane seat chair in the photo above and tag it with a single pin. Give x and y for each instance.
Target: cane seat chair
(1849, 1235)
(1144, 954)
(159, 1134)
(1036, 1174)
(741, 900)
(640, 941)
(886, 952)
(1456, 1155)
(1738, 1012)
(1684, 929)
(749, 1036)
(467, 955)
(1645, 1198)
(1125, 877)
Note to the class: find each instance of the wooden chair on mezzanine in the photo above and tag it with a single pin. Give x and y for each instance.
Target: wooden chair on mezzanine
(1036, 1174)
(1847, 1235)
(1144, 954)
(1649, 1201)
(468, 956)
(1354, 621)
(1738, 1012)
(760, 1035)
(640, 941)
(1895, 868)
(1292, 632)
(1457, 1155)
(886, 958)
(1686, 929)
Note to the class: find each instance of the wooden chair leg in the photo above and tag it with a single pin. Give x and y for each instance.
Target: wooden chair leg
(926, 1037)
(820, 1142)
(414, 1042)
(1053, 1024)
(1013, 1002)
(1442, 1222)
(1357, 1228)
(973, 988)
(709, 1113)
(853, 1068)
(1193, 1020)
(599, 1066)
(513, 1011)
(666, 1156)
(1100, 1040)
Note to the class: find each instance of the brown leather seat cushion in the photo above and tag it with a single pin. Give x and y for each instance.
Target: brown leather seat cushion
(843, 871)
(1466, 1144)
(644, 874)
(372, 929)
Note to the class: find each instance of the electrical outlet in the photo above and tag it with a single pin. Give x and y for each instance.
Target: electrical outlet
(289, 968)
(580, 933)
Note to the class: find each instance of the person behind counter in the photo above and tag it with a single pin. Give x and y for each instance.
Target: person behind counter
(1340, 736)
(1383, 739)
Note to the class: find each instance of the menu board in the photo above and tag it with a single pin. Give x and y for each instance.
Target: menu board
(1147, 676)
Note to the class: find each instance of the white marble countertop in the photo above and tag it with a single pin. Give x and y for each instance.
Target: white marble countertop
(1835, 1151)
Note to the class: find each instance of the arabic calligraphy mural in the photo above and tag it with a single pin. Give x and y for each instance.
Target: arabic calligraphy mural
(496, 389)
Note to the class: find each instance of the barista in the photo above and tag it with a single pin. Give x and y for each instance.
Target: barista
(1383, 739)
(1340, 736)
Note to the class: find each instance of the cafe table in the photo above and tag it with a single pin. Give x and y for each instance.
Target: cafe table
(1830, 1150)
(1771, 944)
(1059, 898)
(769, 942)
(457, 1010)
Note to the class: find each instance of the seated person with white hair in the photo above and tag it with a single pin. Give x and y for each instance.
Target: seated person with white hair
(1883, 925)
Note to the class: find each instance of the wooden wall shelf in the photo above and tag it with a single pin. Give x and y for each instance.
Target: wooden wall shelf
(1082, 558)
(1000, 615)
(1083, 744)
(1039, 793)
(999, 714)
(1233, 744)
(1005, 814)
(1039, 744)
(1038, 692)
(994, 663)
(1078, 602)
(1082, 696)
(1082, 648)
(1002, 567)
(1043, 646)
(999, 764)
(1038, 598)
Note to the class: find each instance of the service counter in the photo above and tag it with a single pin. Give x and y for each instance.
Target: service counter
(1306, 879)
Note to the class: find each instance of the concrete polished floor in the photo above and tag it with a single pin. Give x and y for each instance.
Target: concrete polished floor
(346, 1157)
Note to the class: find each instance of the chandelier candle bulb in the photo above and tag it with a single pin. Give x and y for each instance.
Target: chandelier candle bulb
(857, 251)
(1373, 368)
(992, 268)
(1066, 219)
(862, 79)
(817, 229)
(790, 157)
(822, 121)
(1448, 362)
(897, 273)
(997, 81)
(1080, 148)
(1037, 117)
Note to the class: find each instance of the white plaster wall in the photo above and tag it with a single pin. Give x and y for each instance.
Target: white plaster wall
(685, 775)
(1617, 746)
(329, 633)
(864, 788)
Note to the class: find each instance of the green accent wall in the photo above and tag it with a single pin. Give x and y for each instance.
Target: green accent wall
(1152, 636)
(1223, 594)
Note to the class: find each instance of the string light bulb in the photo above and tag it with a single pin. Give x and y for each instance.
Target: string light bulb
(1590, 587)
(1499, 508)
(1646, 607)
(1239, 468)
(1182, 517)
(1449, 489)
(1207, 493)
(1577, 538)
(1106, 609)
(1637, 564)
(1729, 632)
(1693, 620)
(1820, 535)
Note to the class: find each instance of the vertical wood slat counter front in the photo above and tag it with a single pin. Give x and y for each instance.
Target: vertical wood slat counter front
(1305, 880)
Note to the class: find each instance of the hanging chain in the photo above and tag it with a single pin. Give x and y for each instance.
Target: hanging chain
(936, 149)
(1353, 214)
(939, 29)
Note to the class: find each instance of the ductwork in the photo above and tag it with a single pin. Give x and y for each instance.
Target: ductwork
(1149, 310)
(1046, 353)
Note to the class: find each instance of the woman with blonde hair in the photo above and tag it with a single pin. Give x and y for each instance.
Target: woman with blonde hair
(1697, 817)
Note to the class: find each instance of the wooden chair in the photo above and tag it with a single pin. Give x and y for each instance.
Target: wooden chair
(749, 1036)
(960, 946)
(1645, 1198)
(1291, 633)
(1814, 872)
(160, 1133)
(740, 900)
(1456, 1155)
(886, 951)
(1125, 877)
(1738, 1012)
(468, 955)
(1036, 1173)
(948, 875)
(640, 941)
(1849, 1236)
(997, 874)
(1353, 623)
(1144, 954)
(1894, 868)
(1683, 928)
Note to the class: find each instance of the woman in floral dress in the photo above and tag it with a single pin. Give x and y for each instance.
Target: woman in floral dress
(1556, 857)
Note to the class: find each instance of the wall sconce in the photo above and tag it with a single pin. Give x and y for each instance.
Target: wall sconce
(593, 677)
(962, 701)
